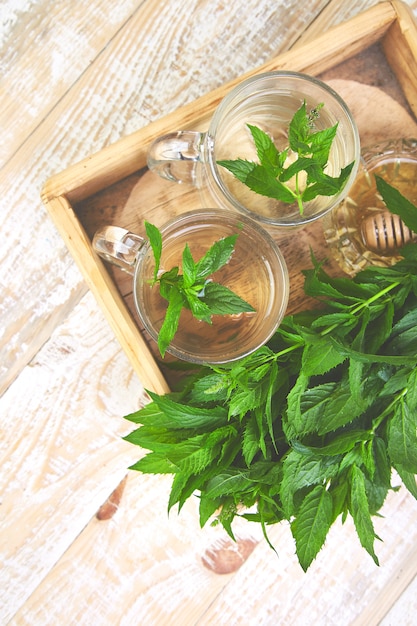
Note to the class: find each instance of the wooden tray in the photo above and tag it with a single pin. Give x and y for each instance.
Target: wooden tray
(114, 186)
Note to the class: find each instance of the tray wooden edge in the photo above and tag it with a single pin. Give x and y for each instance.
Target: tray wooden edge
(107, 295)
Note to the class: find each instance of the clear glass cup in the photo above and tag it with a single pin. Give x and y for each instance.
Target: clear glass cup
(256, 271)
(268, 101)
(361, 231)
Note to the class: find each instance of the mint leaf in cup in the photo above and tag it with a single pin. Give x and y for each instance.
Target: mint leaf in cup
(193, 289)
(297, 173)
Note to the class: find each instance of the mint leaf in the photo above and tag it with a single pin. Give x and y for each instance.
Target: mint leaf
(221, 300)
(397, 203)
(189, 269)
(171, 321)
(402, 438)
(360, 512)
(216, 257)
(312, 524)
(321, 142)
(299, 130)
(229, 482)
(185, 416)
(240, 168)
(155, 240)
(199, 309)
(321, 357)
(409, 480)
(300, 471)
(261, 180)
(268, 154)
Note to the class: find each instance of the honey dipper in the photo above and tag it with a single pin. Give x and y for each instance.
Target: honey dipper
(385, 232)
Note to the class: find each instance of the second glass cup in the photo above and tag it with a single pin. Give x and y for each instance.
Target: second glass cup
(256, 272)
(269, 101)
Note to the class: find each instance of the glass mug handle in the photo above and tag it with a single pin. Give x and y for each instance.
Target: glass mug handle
(118, 246)
(175, 156)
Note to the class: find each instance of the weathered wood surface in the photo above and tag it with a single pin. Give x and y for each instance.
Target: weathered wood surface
(76, 77)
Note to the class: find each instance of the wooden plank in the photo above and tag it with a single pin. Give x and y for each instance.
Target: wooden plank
(108, 297)
(44, 48)
(60, 447)
(404, 610)
(150, 570)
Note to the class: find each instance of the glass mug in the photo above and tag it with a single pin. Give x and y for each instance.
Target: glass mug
(361, 231)
(256, 271)
(268, 101)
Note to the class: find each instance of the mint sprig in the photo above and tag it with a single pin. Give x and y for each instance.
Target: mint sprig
(297, 173)
(193, 289)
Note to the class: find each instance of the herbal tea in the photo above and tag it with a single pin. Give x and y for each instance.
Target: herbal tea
(256, 272)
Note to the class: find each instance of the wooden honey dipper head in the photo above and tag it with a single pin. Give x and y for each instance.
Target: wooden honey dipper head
(385, 232)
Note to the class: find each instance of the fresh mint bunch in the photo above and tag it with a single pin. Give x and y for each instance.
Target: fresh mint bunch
(311, 426)
(193, 289)
(297, 173)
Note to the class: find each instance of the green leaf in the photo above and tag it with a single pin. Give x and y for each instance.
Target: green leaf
(145, 414)
(268, 154)
(262, 181)
(403, 338)
(155, 240)
(312, 524)
(207, 508)
(250, 442)
(168, 281)
(221, 300)
(228, 482)
(321, 357)
(360, 512)
(339, 445)
(154, 463)
(302, 164)
(402, 438)
(188, 267)
(327, 185)
(299, 130)
(396, 382)
(321, 142)
(374, 358)
(212, 387)
(240, 168)
(216, 257)
(409, 480)
(198, 307)
(397, 203)
(301, 471)
(412, 390)
(171, 321)
(186, 416)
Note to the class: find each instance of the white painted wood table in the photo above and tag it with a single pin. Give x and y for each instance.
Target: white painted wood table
(77, 76)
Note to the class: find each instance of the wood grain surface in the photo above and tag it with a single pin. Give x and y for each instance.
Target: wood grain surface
(75, 548)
